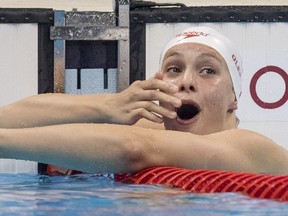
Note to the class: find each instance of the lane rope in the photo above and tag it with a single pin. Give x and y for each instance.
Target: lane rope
(264, 186)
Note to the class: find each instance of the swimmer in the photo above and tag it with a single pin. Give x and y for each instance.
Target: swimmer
(194, 126)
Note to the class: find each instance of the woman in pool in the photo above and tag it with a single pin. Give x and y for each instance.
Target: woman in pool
(198, 87)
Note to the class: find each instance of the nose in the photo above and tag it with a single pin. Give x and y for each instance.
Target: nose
(187, 83)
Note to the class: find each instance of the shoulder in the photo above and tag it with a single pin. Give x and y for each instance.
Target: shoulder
(241, 136)
(234, 150)
(263, 153)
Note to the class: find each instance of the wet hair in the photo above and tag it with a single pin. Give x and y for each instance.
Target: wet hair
(237, 121)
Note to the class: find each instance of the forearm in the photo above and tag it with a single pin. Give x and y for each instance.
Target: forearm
(126, 107)
(93, 148)
(98, 148)
(50, 109)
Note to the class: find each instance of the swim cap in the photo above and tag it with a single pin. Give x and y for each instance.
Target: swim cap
(223, 45)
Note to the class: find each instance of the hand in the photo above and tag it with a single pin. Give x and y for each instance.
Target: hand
(138, 101)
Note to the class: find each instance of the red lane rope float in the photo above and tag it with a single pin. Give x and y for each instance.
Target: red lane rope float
(265, 186)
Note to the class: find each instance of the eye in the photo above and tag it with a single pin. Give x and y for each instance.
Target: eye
(207, 71)
(173, 69)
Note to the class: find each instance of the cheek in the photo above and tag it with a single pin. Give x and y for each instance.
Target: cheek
(220, 87)
(172, 80)
(217, 95)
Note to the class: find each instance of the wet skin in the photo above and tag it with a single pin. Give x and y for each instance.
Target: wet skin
(204, 85)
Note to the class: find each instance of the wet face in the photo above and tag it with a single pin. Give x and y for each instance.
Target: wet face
(205, 89)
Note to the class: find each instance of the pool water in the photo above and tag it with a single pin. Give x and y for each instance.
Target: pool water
(29, 194)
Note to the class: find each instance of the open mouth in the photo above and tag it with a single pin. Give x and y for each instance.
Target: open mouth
(187, 111)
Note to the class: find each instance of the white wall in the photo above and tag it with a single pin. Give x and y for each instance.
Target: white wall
(18, 75)
(18, 61)
(67, 5)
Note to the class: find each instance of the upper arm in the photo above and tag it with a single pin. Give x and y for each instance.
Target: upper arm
(266, 154)
(250, 151)
(235, 150)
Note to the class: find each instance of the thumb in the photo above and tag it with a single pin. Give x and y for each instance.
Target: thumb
(159, 75)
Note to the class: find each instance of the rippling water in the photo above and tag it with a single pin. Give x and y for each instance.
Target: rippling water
(27, 194)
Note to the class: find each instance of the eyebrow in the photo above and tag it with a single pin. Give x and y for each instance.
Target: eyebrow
(171, 54)
(202, 55)
(209, 55)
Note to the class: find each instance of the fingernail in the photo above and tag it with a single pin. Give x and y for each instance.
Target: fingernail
(173, 115)
(177, 103)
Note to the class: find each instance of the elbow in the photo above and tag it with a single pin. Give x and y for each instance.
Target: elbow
(135, 155)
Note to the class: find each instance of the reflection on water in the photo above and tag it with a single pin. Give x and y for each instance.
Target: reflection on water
(25, 194)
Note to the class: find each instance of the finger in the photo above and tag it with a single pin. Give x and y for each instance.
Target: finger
(153, 84)
(155, 95)
(157, 109)
(143, 113)
(159, 75)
